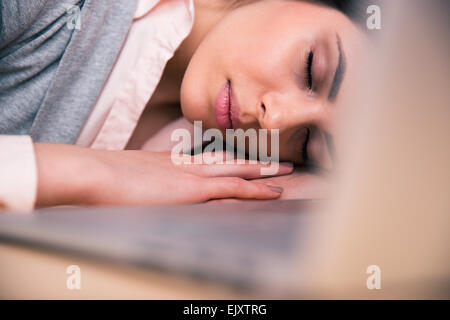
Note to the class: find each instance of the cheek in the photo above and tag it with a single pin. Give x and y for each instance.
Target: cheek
(195, 97)
(255, 56)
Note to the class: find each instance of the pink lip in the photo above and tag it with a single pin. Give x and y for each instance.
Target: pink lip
(227, 108)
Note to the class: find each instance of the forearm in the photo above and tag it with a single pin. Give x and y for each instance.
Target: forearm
(67, 174)
(74, 175)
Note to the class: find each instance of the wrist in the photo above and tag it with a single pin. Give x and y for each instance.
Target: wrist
(67, 174)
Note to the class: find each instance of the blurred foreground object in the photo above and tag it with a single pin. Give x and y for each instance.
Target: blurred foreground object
(391, 204)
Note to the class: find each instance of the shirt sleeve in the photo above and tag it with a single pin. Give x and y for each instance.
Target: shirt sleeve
(18, 174)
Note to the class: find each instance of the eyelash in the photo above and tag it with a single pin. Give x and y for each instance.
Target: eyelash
(308, 70)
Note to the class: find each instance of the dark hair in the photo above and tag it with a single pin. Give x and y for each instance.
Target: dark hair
(354, 9)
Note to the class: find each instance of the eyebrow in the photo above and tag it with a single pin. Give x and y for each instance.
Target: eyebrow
(339, 73)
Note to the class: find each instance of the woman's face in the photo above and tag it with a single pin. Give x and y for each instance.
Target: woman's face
(285, 65)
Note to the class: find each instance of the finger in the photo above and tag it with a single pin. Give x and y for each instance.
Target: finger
(231, 187)
(245, 169)
(229, 200)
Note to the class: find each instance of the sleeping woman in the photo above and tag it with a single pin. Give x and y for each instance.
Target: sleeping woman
(91, 92)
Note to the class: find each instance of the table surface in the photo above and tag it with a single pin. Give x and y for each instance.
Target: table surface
(34, 273)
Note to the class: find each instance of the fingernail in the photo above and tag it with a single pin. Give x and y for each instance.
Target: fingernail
(287, 164)
(276, 189)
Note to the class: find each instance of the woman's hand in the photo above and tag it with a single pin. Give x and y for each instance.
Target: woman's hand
(74, 175)
(301, 185)
(296, 186)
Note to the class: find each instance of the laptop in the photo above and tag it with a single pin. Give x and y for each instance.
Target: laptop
(389, 208)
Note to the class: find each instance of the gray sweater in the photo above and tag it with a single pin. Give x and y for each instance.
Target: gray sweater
(54, 61)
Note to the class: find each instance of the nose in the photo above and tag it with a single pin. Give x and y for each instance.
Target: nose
(286, 111)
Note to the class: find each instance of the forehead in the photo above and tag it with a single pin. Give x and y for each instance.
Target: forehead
(289, 9)
(289, 17)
